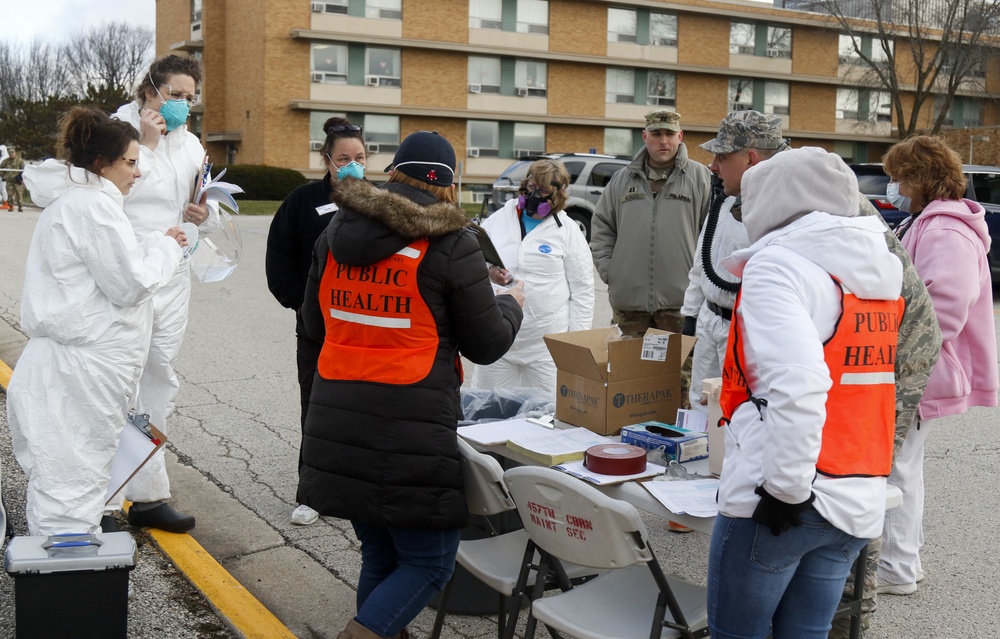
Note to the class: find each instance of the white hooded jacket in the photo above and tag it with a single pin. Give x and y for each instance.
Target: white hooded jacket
(85, 310)
(789, 307)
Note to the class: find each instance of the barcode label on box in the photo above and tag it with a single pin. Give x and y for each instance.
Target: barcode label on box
(654, 347)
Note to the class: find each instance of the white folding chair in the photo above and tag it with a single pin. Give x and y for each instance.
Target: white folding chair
(506, 562)
(574, 522)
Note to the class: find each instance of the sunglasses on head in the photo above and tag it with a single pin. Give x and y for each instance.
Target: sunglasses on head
(338, 128)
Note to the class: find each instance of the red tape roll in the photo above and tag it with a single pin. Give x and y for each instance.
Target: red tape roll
(615, 459)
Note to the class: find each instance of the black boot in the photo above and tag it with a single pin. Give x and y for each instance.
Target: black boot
(109, 524)
(162, 517)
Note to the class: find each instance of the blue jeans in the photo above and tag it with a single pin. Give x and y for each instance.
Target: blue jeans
(401, 571)
(788, 585)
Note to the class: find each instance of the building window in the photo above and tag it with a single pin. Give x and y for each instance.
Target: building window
(195, 10)
(329, 63)
(483, 139)
(863, 105)
(618, 141)
(742, 39)
(486, 14)
(331, 6)
(381, 133)
(382, 67)
(316, 135)
(740, 94)
(620, 86)
(779, 42)
(533, 16)
(776, 98)
(662, 88)
(529, 139)
(529, 78)
(871, 47)
(964, 112)
(622, 25)
(972, 113)
(384, 9)
(663, 29)
(484, 75)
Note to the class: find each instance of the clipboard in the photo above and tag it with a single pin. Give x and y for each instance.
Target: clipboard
(139, 442)
(486, 244)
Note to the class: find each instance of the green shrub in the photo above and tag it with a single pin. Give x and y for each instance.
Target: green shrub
(262, 182)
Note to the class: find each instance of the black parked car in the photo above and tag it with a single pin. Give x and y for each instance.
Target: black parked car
(983, 187)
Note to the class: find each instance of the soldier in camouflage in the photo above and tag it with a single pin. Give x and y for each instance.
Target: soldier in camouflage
(12, 176)
(919, 338)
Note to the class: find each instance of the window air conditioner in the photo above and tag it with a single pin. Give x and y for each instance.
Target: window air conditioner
(475, 88)
(318, 7)
(773, 53)
(196, 30)
(316, 145)
(372, 147)
(317, 77)
(372, 80)
(520, 153)
(522, 92)
(472, 152)
(742, 107)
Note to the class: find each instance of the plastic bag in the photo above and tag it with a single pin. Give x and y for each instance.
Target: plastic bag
(490, 405)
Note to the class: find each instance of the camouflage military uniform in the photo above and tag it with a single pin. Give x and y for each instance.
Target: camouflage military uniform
(916, 353)
(12, 179)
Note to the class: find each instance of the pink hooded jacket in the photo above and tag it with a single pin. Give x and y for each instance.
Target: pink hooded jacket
(948, 243)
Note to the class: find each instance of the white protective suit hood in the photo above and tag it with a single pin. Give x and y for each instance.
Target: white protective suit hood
(806, 200)
(53, 178)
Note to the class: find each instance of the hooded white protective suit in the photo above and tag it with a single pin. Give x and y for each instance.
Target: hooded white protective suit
(156, 203)
(86, 312)
(557, 269)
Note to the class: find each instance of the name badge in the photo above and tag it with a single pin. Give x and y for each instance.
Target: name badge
(326, 208)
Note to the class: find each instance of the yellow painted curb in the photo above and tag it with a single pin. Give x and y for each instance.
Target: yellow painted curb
(5, 374)
(228, 596)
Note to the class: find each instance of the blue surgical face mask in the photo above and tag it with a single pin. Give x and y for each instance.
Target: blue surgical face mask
(175, 113)
(352, 169)
(901, 202)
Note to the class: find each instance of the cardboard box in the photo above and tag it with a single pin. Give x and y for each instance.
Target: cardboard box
(604, 384)
(712, 388)
(71, 585)
(687, 445)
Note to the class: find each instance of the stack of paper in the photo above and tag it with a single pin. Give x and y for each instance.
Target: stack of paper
(696, 497)
(577, 469)
(556, 446)
(492, 433)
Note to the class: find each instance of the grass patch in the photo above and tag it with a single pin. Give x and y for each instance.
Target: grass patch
(259, 207)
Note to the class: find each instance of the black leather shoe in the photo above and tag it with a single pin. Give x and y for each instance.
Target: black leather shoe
(162, 517)
(109, 524)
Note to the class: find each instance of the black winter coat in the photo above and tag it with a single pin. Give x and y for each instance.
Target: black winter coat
(290, 241)
(387, 454)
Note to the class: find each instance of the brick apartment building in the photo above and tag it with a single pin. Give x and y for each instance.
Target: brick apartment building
(505, 78)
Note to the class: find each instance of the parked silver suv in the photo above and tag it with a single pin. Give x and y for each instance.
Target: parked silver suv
(589, 174)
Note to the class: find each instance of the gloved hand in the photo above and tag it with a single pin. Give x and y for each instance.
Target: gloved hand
(690, 324)
(778, 515)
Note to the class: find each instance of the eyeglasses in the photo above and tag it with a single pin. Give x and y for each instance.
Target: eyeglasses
(177, 94)
(544, 192)
(340, 128)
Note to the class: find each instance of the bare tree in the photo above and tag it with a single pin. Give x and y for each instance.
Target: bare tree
(922, 50)
(31, 74)
(110, 57)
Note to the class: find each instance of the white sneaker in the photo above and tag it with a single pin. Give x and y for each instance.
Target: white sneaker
(887, 588)
(304, 515)
(920, 576)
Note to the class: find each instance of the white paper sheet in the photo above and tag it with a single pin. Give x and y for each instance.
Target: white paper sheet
(492, 433)
(577, 469)
(560, 442)
(695, 497)
(134, 449)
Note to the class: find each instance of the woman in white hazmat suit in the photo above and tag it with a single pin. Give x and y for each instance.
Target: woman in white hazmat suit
(171, 159)
(86, 312)
(546, 250)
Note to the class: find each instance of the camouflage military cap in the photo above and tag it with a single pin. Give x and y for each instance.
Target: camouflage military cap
(746, 130)
(663, 120)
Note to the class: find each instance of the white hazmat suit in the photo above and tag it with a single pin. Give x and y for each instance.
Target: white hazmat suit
(156, 203)
(555, 264)
(87, 314)
(712, 329)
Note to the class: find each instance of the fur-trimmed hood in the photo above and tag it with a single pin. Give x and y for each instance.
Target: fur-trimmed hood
(376, 221)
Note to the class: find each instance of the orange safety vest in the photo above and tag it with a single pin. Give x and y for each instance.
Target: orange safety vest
(860, 405)
(378, 326)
